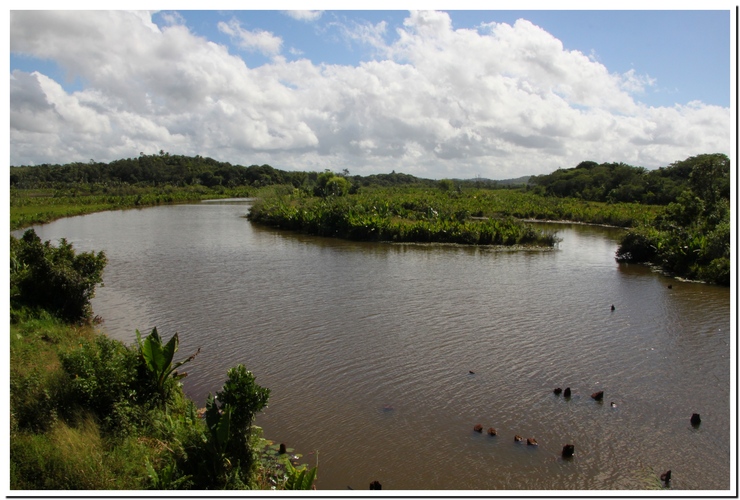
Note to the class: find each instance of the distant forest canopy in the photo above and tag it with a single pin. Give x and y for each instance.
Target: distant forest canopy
(619, 182)
(610, 182)
(178, 170)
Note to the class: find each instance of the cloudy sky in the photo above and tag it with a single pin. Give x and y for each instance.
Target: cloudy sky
(466, 93)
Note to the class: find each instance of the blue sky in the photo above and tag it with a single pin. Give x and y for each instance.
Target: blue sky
(438, 94)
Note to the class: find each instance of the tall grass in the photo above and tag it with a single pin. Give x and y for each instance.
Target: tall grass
(76, 458)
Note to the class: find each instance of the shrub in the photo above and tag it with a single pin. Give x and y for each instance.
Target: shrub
(636, 246)
(103, 378)
(241, 393)
(53, 278)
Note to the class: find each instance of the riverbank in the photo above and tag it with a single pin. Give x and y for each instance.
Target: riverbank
(89, 412)
(39, 206)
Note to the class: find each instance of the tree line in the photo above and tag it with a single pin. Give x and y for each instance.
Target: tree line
(615, 182)
(591, 181)
(153, 170)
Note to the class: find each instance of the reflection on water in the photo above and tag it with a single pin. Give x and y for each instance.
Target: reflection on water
(367, 349)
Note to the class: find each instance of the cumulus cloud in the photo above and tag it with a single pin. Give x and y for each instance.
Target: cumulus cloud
(498, 101)
(371, 35)
(304, 15)
(260, 40)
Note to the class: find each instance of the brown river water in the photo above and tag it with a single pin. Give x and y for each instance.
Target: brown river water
(367, 349)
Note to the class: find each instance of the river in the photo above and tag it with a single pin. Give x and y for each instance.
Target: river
(368, 349)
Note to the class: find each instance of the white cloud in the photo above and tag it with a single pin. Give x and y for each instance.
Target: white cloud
(634, 83)
(304, 15)
(260, 40)
(366, 33)
(501, 101)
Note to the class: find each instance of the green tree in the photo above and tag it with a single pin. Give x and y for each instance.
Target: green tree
(330, 184)
(446, 185)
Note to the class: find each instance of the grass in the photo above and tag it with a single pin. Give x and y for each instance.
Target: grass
(76, 458)
(48, 451)
(60, 442)
(39, 206)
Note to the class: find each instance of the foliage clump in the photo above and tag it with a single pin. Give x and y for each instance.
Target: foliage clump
(691, 238)
(53, 278)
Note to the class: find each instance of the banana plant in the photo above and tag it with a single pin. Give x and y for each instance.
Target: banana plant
(299, 478)
(158, 358)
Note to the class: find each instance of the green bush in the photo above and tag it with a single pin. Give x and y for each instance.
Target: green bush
(103, 378)
(53, 278)
(247, 398)
(224, 454)
(636, 246)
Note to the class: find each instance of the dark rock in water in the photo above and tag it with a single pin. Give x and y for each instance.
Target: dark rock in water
(492, 431)
(557, 391)
(518, 438)
(376, 486)
(666, 477)
(566, 392)
(695, 419)
(471, 372)
(598, 396)
(282, 449)
(531, 442)
(568, 450)
(613, 308)
(670, 286)
(478, 428)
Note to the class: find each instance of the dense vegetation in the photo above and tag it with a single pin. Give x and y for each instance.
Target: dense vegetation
(691, 238)
(441, 214)
(88, 412)
(614, 182)
(398, 217)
